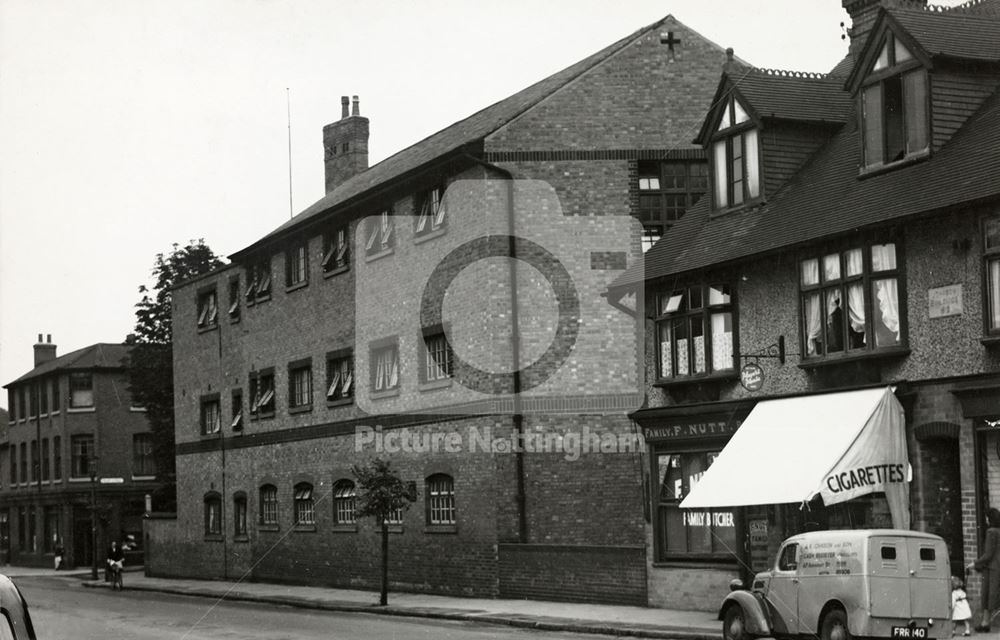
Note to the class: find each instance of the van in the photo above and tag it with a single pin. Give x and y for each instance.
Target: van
(880, 583)
(15, 622)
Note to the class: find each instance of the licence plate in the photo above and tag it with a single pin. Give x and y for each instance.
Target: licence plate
(910, 633)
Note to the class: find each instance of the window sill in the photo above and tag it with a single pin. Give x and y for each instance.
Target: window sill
(395, 528)
(723, 376)
(80, 480)
(440, 528)
(345, 528)
(372, 257)
(306, 408)
(297, 286)
(429, 235)
(434, 385)
(242, 537)
(340, 402)
(57, 411)
(137, 409)
(263, 416)
(81, 410)
(817, 362)
(214, 537)
(234, 319)
(990, 341)
(268, 527)
(214, 434)
(208, 328)
(388, 393)
(874, 170)
(304, 528)
(337, 271)
(143, 478)
(262, 298)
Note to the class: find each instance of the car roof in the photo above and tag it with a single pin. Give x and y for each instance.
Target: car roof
(859, 534)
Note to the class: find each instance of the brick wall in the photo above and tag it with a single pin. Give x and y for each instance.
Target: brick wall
(573, 573)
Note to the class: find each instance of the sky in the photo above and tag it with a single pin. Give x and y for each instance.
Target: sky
(126, 126)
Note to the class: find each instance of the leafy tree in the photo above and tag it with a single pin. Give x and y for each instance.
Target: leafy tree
(150, 363)
(381, 493)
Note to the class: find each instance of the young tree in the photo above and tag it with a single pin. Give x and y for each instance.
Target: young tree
(382, 492)
(150, 363)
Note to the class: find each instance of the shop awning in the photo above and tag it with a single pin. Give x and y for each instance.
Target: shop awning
(835, 445)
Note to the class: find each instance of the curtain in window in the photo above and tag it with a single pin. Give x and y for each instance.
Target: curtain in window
(856, 296)
(993, 292)
(721, 178)
(886, 291)
(915, 110)
(753, 169)
(666, 361)
(722, 341)
(872, 102)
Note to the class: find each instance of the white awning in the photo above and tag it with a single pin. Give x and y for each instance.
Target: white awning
(836, 445)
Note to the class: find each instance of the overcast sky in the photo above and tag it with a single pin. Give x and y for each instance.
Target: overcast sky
(126, 126)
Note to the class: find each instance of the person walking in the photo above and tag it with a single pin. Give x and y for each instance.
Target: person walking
(988, 565)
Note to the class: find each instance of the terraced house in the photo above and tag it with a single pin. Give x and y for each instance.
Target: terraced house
(840, 283)
(389, 319)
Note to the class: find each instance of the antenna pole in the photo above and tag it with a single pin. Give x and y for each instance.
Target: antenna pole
(288, 105)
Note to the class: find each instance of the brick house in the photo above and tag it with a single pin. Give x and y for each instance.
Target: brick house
(71, 415)
(312, 351)
(849, 242)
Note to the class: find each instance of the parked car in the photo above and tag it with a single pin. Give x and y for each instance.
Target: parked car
(15, 621)
(880, 583)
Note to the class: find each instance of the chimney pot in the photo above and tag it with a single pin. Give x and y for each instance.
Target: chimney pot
(344, 106)
(355, 111)
(39, 338)
(48, 338)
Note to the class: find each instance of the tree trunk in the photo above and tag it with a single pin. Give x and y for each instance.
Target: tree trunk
(384, 597)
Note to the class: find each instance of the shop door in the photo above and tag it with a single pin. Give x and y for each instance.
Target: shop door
(82, 544)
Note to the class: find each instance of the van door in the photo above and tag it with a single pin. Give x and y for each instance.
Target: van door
(930, 582)
(889, 577)
(783, 590)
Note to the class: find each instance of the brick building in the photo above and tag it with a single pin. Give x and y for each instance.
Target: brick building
(849, 242)
(318, 332)
(70, 416)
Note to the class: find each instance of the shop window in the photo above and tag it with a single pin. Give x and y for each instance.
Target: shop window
(851, 301)
(695, 331)
(689, 533)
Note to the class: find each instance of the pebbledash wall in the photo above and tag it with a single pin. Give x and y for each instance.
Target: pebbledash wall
(568, 523)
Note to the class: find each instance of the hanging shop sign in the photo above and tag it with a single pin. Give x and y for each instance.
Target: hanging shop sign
(752, 376)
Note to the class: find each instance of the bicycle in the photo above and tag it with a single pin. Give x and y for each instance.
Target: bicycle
(115, 567)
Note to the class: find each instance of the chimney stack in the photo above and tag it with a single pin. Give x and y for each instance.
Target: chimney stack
(44, 351)
(863, 14)
(345, 144)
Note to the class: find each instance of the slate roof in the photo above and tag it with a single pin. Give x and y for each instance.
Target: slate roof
(97, 356)
(455, 137)
(968, 34)
(793, 95)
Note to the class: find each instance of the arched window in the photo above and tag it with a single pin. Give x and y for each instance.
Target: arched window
(269, 504)
(213, 514)
(305, 512)
(440, 499)
(240, 514)
(345, 502)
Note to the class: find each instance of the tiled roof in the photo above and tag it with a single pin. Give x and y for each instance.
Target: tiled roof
(827, 198)
(794, 95)
(97, 356)
(455, 137)
(971, 34)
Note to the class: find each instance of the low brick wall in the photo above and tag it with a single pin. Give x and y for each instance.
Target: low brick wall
(573, 573)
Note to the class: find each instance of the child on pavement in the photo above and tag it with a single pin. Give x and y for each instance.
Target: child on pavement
(960, 610)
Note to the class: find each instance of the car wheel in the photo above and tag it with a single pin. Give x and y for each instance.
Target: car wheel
(734, 624)
(834, 626)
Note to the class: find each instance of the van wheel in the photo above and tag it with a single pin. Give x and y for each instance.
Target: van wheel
(734, 624)
(834, 626)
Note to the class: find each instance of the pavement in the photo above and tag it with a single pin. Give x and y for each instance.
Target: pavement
(534, 614)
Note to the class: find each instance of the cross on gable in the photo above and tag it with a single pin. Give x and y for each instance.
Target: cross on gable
(669, 40)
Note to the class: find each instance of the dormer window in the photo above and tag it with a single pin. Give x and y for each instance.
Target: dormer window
(735, 158)
(894, 106)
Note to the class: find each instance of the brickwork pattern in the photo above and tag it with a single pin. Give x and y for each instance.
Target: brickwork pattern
(574, 574)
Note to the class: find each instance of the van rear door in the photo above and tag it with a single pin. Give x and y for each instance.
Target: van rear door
(930, 582)
(889, 577)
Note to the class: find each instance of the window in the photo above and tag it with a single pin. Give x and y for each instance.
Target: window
(51, 530)
(57, 458)
(269, 504)
(305, 510)
(24, 462)
(43, 397)
(297, 265)
(236, 418)
(430, 211)
(23, 403)
(143, 463)
(258, 276)
(384, 366)
(33, 400)
(789, 558)
(240, 515)
(208, 309)
(339, 376)
(437, 357)
(262, 392)
(344, 503)
(335, 250)
(213, 515)
(12, 403)
(46, 468)
(35, 461)
(22, 521)
(894, 106)
(81, 390)
(396, 516)
(991, 256)
(300, 385)
(211, 415)
(735, 159)
(13, 465)
(55, 394)
(378, 233)
(82, 453)
(695, 331)
(666, 191)
(440, 499)
(688, 532)
(850, 301)
(234, 298)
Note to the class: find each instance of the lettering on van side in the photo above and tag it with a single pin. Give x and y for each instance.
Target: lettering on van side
(865, 476)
